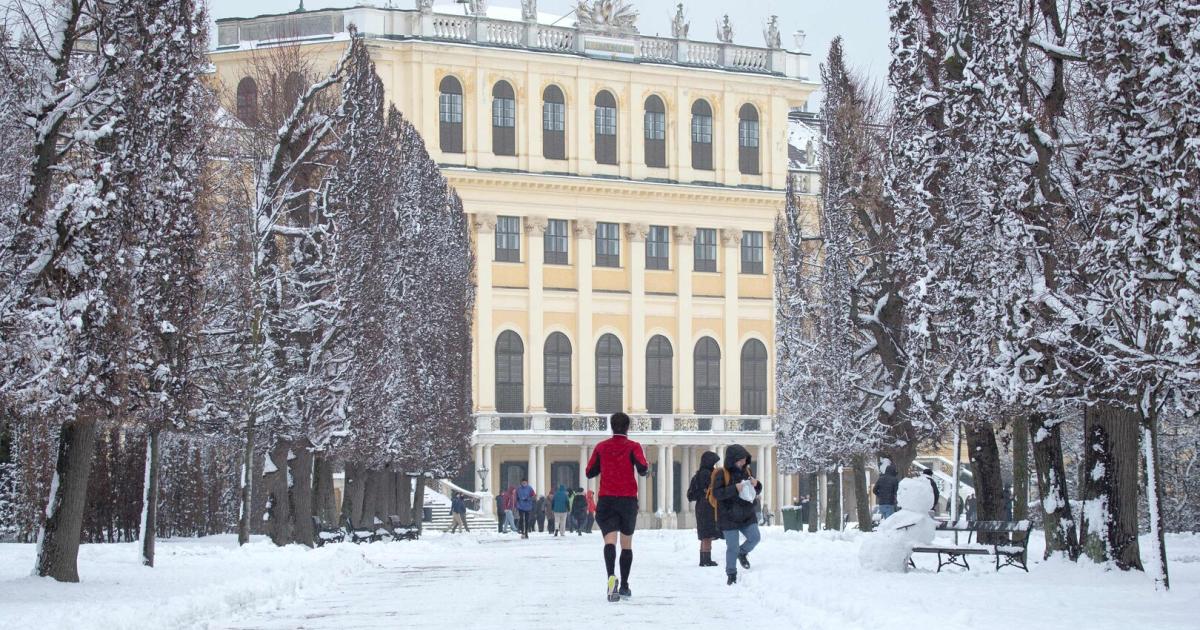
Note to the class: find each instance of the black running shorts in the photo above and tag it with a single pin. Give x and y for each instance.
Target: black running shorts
(617, 514)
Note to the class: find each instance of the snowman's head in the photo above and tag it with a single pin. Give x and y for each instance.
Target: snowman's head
(915, 495)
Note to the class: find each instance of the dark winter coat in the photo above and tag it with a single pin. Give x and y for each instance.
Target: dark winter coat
(539, 507)
(734, 512)
(458, 506)
(886, 487)
(706, 521)
(579, 507)
(936, 493)
(500, 507)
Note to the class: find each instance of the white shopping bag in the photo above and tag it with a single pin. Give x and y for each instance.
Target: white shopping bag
(747, 492)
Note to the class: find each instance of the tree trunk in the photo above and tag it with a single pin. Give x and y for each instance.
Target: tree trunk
(1046, 438)
(388, 492)
(1154, 499)
(301, 494)
(278, 505)
(246, 491)
(833, 500)
(418, 507)
(861, 503)
(370, 498)
(149, 523)
(323, 489)
(1109, 484)
(989, 484)
(404, 498)
(352, 495)
(58, 542)
(814, 502)
(1020, 464)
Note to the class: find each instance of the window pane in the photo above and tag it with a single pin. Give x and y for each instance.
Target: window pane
(450, 108)
(608, 245)
(504, 112)
(508, 239)
(748, 133)
(556, 242)
(606, 121)
(752, 252)
(553, 116)
(706, 249)
(658, 247)
(702, 129)
(656, 126)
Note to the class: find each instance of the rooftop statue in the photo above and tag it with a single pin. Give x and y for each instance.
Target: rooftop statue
(725, 30)
(771, 33)
(607, 15)
(529, 10)
(679, 25)
(477, 7)
(425, 6)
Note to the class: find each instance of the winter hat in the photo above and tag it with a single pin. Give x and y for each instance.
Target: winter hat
(928, 472)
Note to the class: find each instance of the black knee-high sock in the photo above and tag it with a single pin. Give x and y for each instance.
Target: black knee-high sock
(610, 558)
(626, 562)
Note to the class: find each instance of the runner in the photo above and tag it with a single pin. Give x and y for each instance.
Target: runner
(617, 508)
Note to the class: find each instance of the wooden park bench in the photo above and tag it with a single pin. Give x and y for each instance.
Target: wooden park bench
(1008, 543)
(326, 533)
(400, 531)
(361, 535)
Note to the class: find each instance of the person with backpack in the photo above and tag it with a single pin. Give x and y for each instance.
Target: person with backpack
(706, 522)
(615, 461)
(885, 492)
(539, 513)
(579, 511)
(560, 507)
(732, 493)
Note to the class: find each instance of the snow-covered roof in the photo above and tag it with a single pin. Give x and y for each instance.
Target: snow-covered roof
(804, 136)
(510, 14)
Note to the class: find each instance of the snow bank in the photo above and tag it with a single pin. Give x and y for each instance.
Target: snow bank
(193, 580)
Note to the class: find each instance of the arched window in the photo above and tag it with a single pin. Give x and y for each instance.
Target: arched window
(606, 128)
(706, 365)
(247, 101)
(556, 357)
(610, 395)
(292, 86)
(660, 393)
(754, 378)
(748, 140)
(702, 136)
(504, 119)
(554, 124)
(510, 373)
(656, 132)
(450, 116)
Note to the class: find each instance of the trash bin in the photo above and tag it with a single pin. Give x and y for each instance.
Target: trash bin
(791, 519)
(426, 514)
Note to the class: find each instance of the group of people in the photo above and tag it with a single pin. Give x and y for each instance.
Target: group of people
(887, 486)
(521, 509)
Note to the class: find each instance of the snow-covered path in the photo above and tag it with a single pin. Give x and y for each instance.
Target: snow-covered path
(485, 580)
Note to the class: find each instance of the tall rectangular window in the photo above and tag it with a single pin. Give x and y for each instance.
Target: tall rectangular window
(656, 143)
(752, 252)
(504, 123)
(706, 249)
(556, 242)
(658, 247)
(608, 245)
(450, 108)
(508, 239)
(606, 134)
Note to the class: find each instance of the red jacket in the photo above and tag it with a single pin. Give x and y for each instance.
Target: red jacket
(617, 457)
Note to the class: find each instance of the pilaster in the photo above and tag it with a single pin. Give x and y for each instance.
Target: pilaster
(636, 234)
(535, 228)
(731, 240)
(685, 261)
(485, 249)
(585, 254)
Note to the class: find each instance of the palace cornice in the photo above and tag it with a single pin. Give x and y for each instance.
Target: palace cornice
(629, 189)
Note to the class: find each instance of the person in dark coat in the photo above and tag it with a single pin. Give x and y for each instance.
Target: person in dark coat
(928, 472)
(499, 513)
(525, 497)
(706, 521)
(539, 513)
(735, 515)
(885, 492)
(579, 510)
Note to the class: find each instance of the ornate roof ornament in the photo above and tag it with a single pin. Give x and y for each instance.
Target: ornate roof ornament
(529, 10)
(425, 6)
(607, 15)
(679, 25)
(725, 30)
(771, 34)
(477, 7)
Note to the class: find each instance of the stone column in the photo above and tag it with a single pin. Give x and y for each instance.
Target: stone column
(535, 227)
(532, 471)
(543, 478)
(636, 234)
(585, 253)
(669, 496)
(685, 259)
(731, 240)
(485, 249)
(583, 460)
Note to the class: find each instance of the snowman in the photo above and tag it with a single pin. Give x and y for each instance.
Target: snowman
(891, 546)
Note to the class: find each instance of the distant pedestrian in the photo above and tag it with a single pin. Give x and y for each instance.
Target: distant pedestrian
(591, 507)
(560, 507)
(731, 485)
(539, 513)
(525, 495)
(458, 513)
(579, 511)
(928, 472)
(510, 507)
(885, 492)
(706, 522)
(500, 513)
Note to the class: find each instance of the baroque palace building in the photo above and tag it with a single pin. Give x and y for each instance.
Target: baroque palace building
(623, 190)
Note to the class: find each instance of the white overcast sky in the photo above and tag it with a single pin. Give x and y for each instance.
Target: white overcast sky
(863, 24)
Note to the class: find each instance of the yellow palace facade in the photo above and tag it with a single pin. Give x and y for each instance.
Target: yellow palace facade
(623, 190)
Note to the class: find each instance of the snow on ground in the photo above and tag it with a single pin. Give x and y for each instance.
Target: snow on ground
(487, 580)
